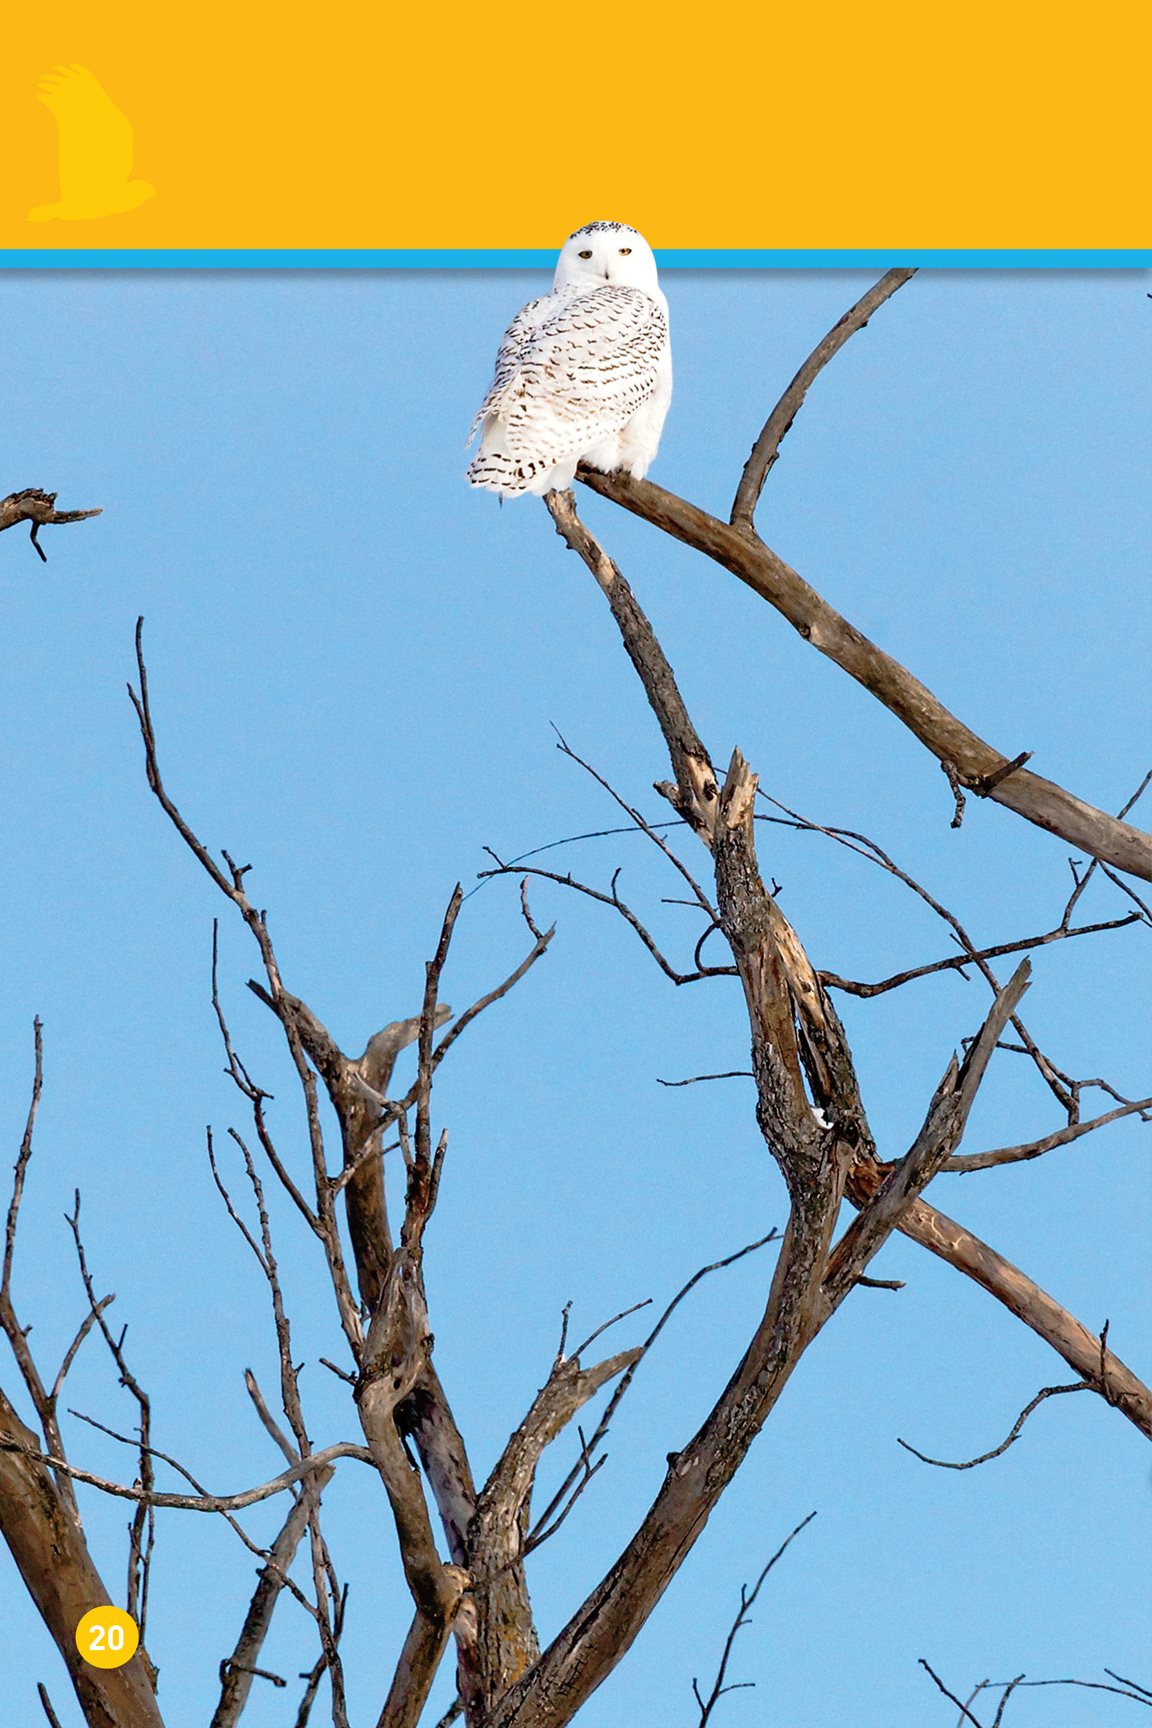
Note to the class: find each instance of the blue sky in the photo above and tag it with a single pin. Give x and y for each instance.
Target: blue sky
(357, 665)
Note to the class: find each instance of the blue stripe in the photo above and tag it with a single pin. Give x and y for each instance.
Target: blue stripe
(675, 258)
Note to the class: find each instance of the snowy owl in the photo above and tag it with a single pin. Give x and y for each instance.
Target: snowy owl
(584, 374)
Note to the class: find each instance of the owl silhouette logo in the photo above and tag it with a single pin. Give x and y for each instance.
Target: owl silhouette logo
(95, 149)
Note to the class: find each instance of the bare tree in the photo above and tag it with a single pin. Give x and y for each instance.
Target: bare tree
(463, 1544)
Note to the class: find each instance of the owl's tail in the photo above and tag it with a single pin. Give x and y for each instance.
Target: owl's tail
(496, 468)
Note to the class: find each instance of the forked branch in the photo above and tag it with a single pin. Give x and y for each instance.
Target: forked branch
(972, 764)
(941, 1134)
(793, 1027)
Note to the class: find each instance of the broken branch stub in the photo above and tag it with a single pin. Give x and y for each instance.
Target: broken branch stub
(38, 508)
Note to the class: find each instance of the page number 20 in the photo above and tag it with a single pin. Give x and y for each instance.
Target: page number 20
(107, 1637)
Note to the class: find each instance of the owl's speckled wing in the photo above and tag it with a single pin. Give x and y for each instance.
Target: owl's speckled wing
(515, 343)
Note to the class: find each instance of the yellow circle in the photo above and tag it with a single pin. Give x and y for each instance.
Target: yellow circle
(107, 1637)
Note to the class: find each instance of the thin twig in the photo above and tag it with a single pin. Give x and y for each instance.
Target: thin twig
(142, 1530)
(198, 1502)
(1003, 1704)
(229, 878)
(652, 830)
(82, 1332)
(1065, 1091)
(433, 971)
(543, 1525)
(1139, 1696)
(572, 840)
(615, 1320)
(540, 1535)
(1013, 1436)
(46, 1703)
(1036, 1148)
(613, 899)
(22, 1157)
(259, 1673)
(1145, 911)
(957, 962)
(341, 1373)
(1111, 1673)
(464, 1020)
(767, 446)
(320, 1668)
(271, 1426)
(961, 1706)
(747, 1599)
(227, 1198)
(695, 1079)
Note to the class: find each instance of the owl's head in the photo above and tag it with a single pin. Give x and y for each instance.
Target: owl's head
(606, 252)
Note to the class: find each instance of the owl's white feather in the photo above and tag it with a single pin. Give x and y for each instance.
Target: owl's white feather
(584, 374)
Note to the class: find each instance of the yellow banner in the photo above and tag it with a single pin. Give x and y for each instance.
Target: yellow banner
(132, 125)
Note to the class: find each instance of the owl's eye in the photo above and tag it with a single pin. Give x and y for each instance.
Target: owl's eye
(625, 251)
(585, 254)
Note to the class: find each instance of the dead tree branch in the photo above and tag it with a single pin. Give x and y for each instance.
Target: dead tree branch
(1013, 1435)
(797, 1042)
(965, 1713)
(39, 1516)
(924, 1224)
(941, 1133)
(1100, 1367)
(356, 1088)
(46, 1705)
(1127, 1689)
(767, 446)
(612, 898)
(397, 1357)
(142, 1530)
(578, 1476)
(1037, 1148)
(957, 962)
(497, 1535)
(1063, 1088)
(398, 1393)
(43, 1398)
(973, 765)
(47, 1542)
(229, 879)
(305, 1514)
(22, 1443)
(39, 509)
(397, 1390)
(237, 1670)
